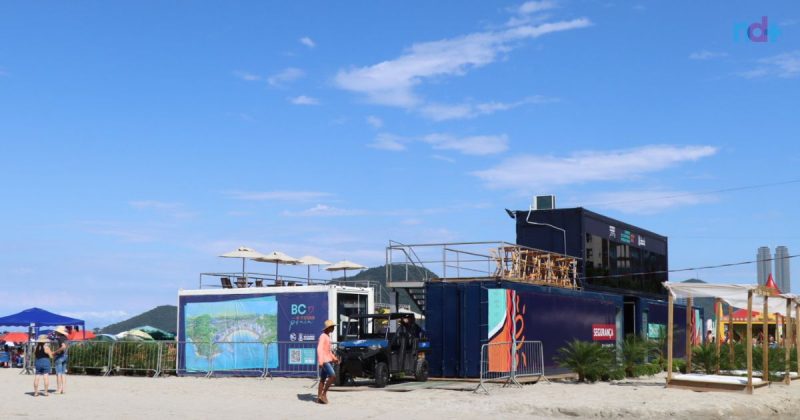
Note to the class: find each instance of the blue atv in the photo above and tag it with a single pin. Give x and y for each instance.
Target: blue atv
(381, 347)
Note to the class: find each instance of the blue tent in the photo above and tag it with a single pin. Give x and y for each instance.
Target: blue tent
(39, 318)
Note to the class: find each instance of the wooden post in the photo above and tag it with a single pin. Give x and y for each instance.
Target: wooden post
(731, 351)
(787, 340)
(718, 339)
(669, 335)
(749, 343)
(797, 332)
(765, 341)
(689, 332)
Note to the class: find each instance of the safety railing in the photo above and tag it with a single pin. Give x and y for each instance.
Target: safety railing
(505, 362)
(420, 263)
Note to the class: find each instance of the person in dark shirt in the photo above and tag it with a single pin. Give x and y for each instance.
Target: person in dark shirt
(42, 355)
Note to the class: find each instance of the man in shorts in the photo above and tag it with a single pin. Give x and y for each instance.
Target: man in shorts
(325, 360)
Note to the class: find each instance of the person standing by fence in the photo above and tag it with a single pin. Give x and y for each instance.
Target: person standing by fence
(42, 355)
(325, 360)
(60, 355)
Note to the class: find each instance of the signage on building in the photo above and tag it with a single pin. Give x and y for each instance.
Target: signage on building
(626, 236)
(604, 332)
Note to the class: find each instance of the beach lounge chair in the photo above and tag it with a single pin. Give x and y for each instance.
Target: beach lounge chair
(226, 283)
(259, 283)
(241, 282)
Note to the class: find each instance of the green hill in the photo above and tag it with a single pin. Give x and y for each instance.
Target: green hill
(378, 275)
(164, 317)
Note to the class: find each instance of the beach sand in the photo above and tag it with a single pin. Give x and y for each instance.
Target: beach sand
(221, 398)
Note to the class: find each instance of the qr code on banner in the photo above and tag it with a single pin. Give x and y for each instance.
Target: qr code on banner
(295, 356)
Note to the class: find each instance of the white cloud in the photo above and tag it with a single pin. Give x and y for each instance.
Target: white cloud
(308, 42)
(443, 158)
(374, 121)
(325, 210)
(646, 201)
(786, 65)
(706, 55)
(247, 76)
(304, 100)
(531, 172)
(108, 317)
(474, 145)
(535, 6)
(390, 142)
(442, 112)
(392, 82)
(285, 76)
(277, 195)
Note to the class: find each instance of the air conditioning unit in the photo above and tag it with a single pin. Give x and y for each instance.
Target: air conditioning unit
(544, 202)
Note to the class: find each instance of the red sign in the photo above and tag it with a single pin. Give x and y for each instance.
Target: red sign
(604, 332)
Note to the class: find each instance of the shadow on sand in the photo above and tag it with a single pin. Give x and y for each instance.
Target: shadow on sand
(307, 397)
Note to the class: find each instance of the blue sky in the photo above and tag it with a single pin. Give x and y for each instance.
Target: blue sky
(141, 139)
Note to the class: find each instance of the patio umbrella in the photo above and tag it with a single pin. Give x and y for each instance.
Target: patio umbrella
(344, 266)
(311, 260)
(244, 253)
(277, 257)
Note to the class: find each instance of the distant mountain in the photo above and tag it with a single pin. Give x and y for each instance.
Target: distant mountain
(378, 275)
(164, 317)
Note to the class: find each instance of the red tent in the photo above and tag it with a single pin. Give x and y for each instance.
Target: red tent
(16, 337)
(78, 335)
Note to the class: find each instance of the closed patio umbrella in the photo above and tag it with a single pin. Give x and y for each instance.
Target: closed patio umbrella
(309, 261)
(277, 257)
(344, 266)
(244, 253)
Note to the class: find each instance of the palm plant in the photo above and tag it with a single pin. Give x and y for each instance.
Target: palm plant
(704, 357)
(635, 351)
(589, 360)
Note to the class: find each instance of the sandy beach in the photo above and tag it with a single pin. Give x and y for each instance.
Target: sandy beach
(135, 398)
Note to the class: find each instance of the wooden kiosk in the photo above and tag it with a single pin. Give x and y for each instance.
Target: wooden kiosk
(735, 296)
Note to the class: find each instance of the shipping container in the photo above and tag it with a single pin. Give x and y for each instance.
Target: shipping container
(245, 331)
(461, 317)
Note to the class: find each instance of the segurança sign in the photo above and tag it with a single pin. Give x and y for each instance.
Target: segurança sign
(604, 332)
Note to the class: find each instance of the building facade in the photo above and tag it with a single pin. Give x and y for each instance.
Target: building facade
(614, 256)
(782, 276)
(763, 265)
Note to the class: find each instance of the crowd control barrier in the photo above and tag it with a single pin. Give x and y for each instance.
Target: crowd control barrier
(506, 361)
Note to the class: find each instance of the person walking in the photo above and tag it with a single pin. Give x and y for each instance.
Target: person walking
(60, 355)
(42, 355)
(325, 360)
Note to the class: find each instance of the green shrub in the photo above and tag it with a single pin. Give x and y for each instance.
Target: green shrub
(589, 360)
(635, 352)
(679, 365)
(704, 357)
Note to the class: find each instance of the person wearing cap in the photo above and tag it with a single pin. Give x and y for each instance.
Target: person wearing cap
(325, 360)
(42, 355)
(60, 355)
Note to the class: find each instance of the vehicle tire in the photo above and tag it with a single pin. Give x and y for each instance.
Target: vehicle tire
(337, 369)
(381, 375)
(421, 373)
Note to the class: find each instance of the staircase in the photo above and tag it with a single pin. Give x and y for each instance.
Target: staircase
(414, 288)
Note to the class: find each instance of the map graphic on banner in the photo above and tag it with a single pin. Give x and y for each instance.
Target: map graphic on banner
(244, 325)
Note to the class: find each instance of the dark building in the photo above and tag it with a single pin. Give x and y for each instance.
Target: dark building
(613, 254)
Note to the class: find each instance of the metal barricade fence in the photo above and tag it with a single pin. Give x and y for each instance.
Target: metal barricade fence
(168, 362)
(140, 357)
(506, 361)
(89, 357)
(530, 360)
(497, 364)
